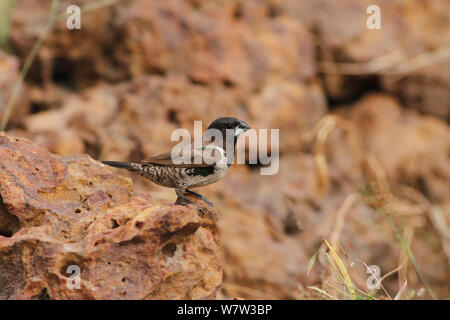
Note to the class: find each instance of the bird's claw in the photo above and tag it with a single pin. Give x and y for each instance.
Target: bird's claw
(186, 201)
(200, 212)
(201, 197)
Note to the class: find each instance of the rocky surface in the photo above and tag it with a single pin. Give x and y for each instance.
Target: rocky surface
(58, 212)
(243, 44)
(139, 69)
(383, 58)
(283, 218)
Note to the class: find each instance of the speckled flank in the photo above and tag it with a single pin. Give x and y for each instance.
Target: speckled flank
(181, 178)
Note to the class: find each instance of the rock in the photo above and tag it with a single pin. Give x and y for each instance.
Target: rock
(426, 90)
(283, 218)
(276, 104)
(184, 62)
(408, 29)
(58, 212)
(141, 37)
(213, 44)
(66, 54)
(420, 157)
(116, 121)
(137, 70)
(279, 238)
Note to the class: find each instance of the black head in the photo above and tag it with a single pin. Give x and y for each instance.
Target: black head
(227, 126)
(224, 123)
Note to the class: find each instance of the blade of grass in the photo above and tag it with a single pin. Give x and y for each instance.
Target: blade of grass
(398, 296)
(410, 255)
(89, 7)
(356, 297)
(344, 294)
(404, 245)
(312, 261)
(334, 268)
(343, 271)
(54, 16)
(26, 66)
(5, 20)
(322, 292)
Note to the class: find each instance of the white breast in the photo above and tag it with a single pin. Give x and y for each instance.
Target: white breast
(215, 156)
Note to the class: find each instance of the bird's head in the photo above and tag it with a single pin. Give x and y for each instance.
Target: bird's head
(229, 123)
(230, 129)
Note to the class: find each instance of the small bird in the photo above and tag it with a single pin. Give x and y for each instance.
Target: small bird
(169, 171)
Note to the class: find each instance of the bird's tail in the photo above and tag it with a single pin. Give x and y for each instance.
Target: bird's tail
(123, 165)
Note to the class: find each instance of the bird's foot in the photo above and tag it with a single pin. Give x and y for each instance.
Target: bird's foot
(203, 198)
(185, 201)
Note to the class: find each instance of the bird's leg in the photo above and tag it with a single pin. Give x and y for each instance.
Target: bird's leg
(199, 196)
(185, 200)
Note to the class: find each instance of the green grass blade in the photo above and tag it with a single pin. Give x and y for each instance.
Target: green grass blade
(5, 20)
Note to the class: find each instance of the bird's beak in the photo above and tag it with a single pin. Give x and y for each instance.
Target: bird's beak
(241, 128)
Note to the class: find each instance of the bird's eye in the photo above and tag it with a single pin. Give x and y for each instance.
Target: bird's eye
(229, 126)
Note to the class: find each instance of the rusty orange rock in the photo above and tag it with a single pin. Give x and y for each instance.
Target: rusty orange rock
(58, 212)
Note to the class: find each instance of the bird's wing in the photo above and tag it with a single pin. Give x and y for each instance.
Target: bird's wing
(167, 159)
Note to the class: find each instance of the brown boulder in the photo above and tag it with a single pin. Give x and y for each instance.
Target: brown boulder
(412, 149)
(408, 29)
(58, 212)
